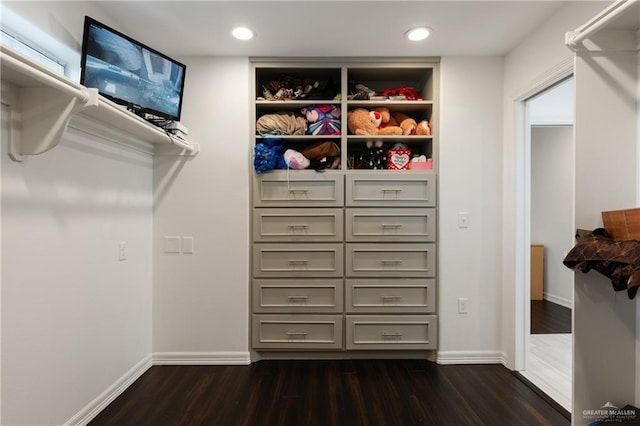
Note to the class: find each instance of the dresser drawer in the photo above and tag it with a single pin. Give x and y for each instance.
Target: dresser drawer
(406, 190)
(297, 331)
(280, 224)
(395, 224)
(391, 260)
(391, 295)
(391, 332)
(282, 189)
(309, 295)
(298, 260)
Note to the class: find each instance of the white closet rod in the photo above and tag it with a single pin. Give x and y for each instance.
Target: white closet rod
(43, 77)
(574, 39)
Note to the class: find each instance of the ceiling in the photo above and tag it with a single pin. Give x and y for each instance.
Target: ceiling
(330, 28)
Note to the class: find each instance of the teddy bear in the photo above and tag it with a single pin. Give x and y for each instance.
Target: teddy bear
(409, 126)
(361, 121)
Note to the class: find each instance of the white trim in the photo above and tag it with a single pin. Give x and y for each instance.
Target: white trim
(201, 358)
(553, 76)
(558, 300)
(471, 357)
(91, 410)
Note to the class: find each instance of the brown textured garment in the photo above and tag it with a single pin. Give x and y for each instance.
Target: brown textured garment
(617, 260)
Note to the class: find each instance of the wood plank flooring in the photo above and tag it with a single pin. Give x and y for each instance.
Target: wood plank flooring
(548, 317)
(330, 392)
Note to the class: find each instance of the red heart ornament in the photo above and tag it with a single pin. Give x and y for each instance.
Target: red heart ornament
(398, 159)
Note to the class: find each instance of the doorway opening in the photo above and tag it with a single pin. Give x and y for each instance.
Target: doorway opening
(549, 147)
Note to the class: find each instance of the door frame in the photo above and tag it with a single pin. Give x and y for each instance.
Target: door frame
(523, 207)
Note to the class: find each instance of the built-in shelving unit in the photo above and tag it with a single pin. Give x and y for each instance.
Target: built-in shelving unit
(42, 104)
(345, 259)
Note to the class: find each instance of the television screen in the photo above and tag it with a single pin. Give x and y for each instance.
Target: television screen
(130, 73)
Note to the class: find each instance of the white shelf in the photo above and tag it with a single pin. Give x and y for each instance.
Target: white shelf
(42, 104)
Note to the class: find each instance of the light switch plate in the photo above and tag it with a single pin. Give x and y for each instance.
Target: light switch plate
(172, 244)
(187, 245)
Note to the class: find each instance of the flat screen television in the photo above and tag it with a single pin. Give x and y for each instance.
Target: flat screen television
(130, 73)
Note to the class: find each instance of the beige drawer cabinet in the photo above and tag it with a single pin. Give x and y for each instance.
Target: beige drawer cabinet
(390, 260)
(297, 331)
(282, 224)
(391, 332)
(298, 189)
(406, 190)
(393, 224)
(310, 295)
(391, 295)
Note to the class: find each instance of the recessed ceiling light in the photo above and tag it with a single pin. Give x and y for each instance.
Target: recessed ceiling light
(242, 33)
(418, 33)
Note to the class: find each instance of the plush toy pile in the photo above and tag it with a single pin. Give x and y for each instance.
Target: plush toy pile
(381, 121)
(359, 91)
(273, 153)
(322, 119)
(293, 87)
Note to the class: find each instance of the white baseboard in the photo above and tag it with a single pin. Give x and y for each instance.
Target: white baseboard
(558, 300)
(94, 408)
(471, 357)
(201, 358)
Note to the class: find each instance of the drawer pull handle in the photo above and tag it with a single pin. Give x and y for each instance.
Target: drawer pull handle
(298, 261)
(393, 262)
(297, 334)
(302, 226)
(391, 225)
(391, 189)
(384, 298)
(300, 298)
(296, 190)
(391, 334)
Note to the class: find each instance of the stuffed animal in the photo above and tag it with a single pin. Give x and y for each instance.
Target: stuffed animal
(322, 119)
(374, 156)
(361, 121)
(423, 128)
(409, 126)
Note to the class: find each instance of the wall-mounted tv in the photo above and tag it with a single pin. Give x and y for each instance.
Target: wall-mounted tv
(130, 73)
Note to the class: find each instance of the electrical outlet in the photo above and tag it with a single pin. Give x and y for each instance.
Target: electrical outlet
(463, 220)
(122, 251)
(463, 305)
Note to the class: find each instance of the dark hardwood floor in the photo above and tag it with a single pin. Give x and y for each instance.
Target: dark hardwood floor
(548, 318)
(331, 392)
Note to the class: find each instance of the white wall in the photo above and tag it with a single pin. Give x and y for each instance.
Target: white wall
(75, 319)
(604, 321)
(470, 181)
(541, 56)
(552, 206)
(201, 300)
(553, 106)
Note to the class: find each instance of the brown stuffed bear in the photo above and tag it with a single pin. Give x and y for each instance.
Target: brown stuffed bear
(409, 126)
(361, 121)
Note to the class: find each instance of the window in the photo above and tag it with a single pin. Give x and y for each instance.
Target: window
(32, 52)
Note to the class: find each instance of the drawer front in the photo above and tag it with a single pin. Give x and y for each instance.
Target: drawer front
(298, 189)
(391, 260)
(298, 260)
(391, 332)
(279, 224)
(377, 224)
(297, 295)
(297, 332)
(391, 295)
(411, 190)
